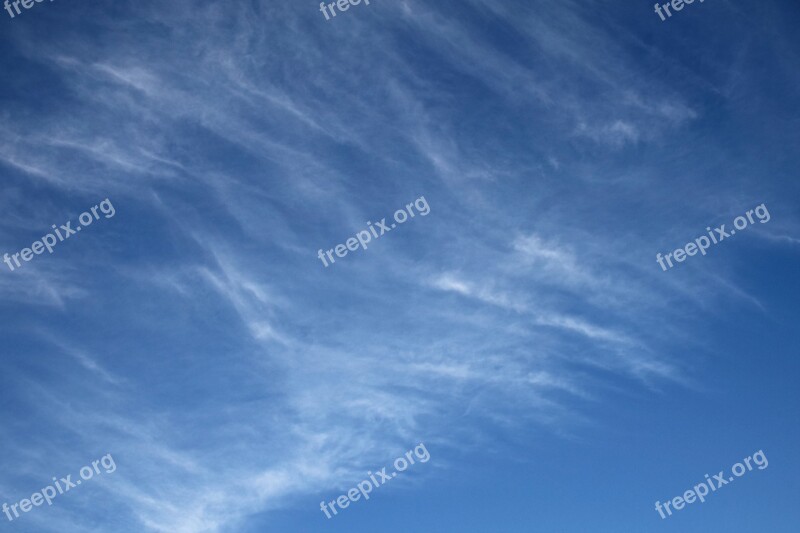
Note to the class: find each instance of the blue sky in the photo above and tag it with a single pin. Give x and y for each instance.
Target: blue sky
(522, 330)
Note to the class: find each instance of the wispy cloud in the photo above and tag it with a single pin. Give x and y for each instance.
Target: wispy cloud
(226, 369)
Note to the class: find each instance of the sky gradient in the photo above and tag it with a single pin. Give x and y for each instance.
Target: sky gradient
(523, 330)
